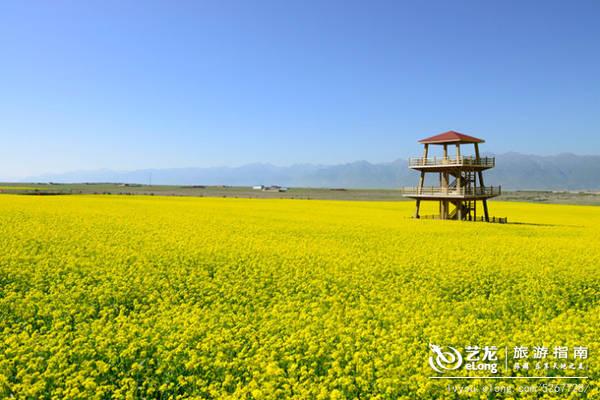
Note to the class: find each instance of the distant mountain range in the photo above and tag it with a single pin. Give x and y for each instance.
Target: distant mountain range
(513, 171)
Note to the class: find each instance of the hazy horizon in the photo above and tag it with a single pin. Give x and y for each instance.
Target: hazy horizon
(564, 171)
(23, 178)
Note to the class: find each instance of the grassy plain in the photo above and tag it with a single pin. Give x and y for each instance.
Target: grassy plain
(159, 297)
(535, 196)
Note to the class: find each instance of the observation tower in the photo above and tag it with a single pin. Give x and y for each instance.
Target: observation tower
(460, 178)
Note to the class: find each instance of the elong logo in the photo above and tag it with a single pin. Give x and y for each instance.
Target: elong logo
(475, 358)
(444, 360)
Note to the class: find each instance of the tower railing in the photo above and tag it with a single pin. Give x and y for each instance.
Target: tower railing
(449, 191)
(460, 160)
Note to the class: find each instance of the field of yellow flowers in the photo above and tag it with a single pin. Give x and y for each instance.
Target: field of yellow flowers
(158, 297)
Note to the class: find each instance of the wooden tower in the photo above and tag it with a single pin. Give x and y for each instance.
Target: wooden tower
(460, 178)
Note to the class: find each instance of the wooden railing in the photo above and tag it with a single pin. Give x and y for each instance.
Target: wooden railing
(499, 220)
(463, 160)
(461, 191)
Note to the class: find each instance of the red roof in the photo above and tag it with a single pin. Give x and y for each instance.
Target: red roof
(451, 137)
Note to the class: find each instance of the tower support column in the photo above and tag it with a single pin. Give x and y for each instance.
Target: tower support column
(482, 185)
(445, 205)
(421, 180)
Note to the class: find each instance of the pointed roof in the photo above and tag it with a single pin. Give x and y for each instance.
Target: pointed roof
(451, 137)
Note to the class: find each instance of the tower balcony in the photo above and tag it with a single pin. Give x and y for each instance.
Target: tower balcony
(435, 164)
(445, 193)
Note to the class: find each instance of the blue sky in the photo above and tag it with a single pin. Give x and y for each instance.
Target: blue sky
(126, 85)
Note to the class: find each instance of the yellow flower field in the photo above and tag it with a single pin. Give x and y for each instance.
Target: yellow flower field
(165, 297)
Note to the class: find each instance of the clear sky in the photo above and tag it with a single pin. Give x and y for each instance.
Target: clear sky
(142, 84)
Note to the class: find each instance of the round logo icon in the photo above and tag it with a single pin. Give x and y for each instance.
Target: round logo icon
(442, 361)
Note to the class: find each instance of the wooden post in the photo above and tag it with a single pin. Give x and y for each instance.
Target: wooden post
(421, 180)
(459, 186)
(445, 182)
(482, 185)
(441, 207)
